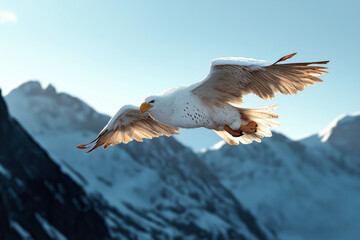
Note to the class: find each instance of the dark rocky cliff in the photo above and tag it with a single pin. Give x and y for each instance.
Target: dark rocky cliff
(37, 200)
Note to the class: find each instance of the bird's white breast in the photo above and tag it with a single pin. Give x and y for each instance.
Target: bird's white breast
(183, 109)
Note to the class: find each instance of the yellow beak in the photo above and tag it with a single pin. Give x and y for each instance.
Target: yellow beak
(144, 107)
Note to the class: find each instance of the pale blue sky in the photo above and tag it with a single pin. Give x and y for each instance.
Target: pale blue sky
(111, 53)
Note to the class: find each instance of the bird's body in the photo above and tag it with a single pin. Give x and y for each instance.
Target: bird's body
(181, 108)
(211, 102)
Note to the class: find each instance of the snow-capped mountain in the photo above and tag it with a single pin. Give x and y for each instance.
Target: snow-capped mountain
(157, 189)
(44, 110)
(339, 142)
(304, 190)
(342, 134)
(37, 200)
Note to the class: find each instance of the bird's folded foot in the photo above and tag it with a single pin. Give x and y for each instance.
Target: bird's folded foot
(249, 128)
(234, 133)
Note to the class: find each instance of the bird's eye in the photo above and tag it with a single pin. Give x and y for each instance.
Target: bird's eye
(152, 101)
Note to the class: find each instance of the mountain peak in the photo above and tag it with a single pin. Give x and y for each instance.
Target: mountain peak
(50, 89)
(34, 87)
(325, 134)
(46, 108)
(30, 87)
(30, 172)
(342, 134)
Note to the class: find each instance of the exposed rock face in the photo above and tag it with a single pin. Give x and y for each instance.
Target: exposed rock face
(37, 200)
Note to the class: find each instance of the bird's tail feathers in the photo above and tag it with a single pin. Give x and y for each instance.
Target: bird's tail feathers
(264, 117)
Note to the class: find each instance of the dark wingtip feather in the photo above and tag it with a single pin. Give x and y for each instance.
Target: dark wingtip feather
(91, 150)
(324, 62)
(82, 146)
(320, 62)
(86, 146)
(285, 58)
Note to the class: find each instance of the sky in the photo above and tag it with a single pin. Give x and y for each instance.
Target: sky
(111, 53)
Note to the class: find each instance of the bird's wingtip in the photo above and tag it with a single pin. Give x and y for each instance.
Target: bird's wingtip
(285, 58)
(82, 146)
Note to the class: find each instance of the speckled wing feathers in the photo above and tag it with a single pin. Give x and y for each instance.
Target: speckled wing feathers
(127, 125)
(229, 83)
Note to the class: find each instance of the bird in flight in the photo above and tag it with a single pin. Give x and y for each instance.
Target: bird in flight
(212, 103)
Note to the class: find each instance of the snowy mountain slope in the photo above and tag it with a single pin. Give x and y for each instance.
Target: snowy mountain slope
(157, 188)
(301, 192)
(339, 142)
(342, 134)
(31, 103)
(37, 200)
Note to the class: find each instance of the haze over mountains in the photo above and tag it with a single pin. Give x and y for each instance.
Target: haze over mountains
(280, 188)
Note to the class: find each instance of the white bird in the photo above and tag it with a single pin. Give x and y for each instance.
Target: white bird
(211, 103)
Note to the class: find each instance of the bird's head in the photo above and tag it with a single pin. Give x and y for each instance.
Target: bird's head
(150, 102)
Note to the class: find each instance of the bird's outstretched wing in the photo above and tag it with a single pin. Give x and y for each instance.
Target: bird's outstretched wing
(232, 78)
(126, 125)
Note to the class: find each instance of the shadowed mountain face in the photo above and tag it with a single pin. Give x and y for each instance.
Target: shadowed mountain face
(37, 200)
(157, 189)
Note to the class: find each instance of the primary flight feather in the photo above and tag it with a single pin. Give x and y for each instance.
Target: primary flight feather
(210, 103)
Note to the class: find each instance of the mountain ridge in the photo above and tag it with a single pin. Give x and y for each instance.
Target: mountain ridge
(272, 179)
(37, 200)
(48, 106)
(304, 190)
(160, 184)
(340, 134)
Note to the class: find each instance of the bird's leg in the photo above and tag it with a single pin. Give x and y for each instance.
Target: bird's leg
(249, 128)
(234, 133)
